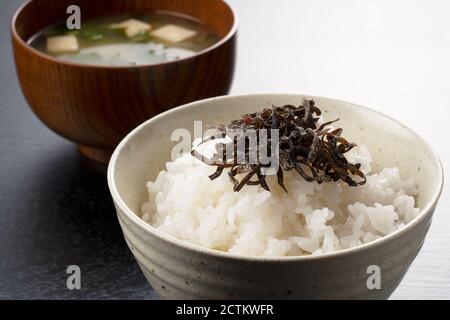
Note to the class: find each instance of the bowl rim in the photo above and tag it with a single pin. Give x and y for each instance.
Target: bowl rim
(231, 33)
(424, 212)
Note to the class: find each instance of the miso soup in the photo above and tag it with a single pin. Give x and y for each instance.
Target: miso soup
(127, 40)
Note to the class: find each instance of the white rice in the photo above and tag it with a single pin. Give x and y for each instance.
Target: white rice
(310, 219)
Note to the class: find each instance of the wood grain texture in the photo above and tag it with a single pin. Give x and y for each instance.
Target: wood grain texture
(97, 106)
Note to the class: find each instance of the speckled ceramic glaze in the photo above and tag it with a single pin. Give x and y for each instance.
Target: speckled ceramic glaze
(177, 269)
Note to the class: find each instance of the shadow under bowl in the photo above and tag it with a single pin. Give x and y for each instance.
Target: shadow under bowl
(177, 269)
(96, 106)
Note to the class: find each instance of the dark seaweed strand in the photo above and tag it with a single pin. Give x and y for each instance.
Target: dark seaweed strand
(315, 152)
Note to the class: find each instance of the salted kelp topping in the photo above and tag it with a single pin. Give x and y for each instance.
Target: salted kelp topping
(316, 151)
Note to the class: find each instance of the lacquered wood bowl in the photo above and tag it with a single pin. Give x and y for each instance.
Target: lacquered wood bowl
(96, 106)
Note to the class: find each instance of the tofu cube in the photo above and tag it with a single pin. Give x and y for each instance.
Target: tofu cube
(62, 44)
(132, 27)
(173, 33)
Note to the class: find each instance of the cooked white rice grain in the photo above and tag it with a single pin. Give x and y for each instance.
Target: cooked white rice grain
(310, 219)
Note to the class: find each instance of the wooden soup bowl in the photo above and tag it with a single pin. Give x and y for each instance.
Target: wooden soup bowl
(96, 106)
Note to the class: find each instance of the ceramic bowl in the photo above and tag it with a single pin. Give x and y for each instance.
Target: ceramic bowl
(177, 269)
(96, 106)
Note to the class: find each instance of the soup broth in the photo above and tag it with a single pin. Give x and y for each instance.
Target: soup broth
(127, 40)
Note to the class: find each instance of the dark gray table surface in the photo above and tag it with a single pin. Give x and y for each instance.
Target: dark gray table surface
(55, 208)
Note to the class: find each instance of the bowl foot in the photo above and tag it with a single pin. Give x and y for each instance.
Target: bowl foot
(96, 154)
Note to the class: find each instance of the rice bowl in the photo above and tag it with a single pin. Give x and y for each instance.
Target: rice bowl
(178, 269)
